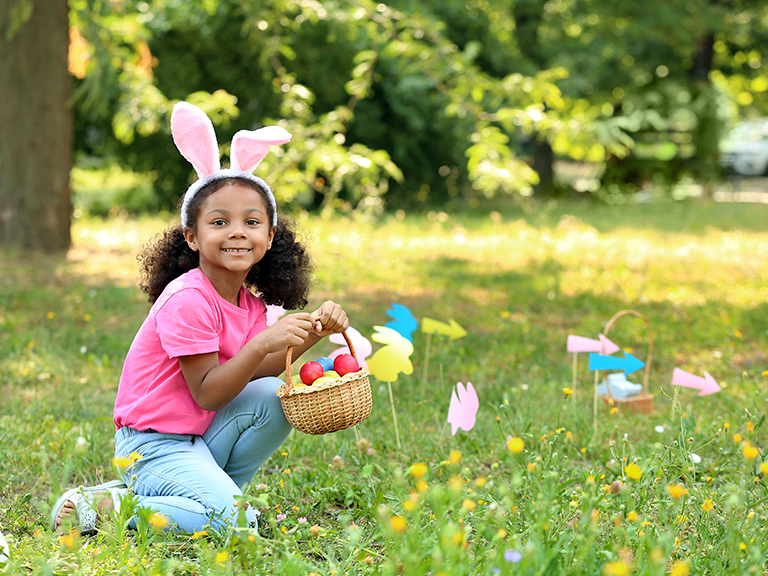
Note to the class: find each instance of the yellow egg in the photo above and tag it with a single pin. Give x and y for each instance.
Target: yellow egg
(331, 374)
(322, 380)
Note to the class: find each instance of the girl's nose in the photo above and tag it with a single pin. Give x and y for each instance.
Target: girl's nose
(237, 232)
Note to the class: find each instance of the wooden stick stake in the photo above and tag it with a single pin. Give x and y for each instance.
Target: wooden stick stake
(426, 359)
(594, 407)
(394, 415)
(575, 369)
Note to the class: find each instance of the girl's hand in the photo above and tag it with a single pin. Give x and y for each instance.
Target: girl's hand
(290, 330)
(329, 319)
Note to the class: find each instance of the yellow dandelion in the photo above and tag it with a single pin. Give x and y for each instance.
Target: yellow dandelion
(633, 471)
(737, 438)
(135, 456)
(221, 557)
(468, 505)
(200, 534)
(567, 391)
(422, 486)
(680, 568)
(158, 521)
(750, 427)
(614, 410)
(515, 445)
(455, 457)
(87, 317)
(287, 471)
(283, 529)
(619, 568)
(632, 516)
(676, 490)
(742, 546)
(398, 523)
(531, 466)
(68, 540)
(51, 315)
(584, 450)
(121, 462)
(480, 482)
(708, 505)
(764, 467)
(765, 372)
(418, 470)
(569, 435)
(750, 452)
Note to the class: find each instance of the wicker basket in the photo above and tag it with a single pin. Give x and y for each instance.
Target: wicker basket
(330, 406)
(643, 402)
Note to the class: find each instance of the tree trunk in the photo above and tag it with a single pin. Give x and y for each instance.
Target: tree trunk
(528, 17)
(36, 126)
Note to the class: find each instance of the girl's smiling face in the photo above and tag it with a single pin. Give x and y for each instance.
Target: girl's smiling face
(232, 233)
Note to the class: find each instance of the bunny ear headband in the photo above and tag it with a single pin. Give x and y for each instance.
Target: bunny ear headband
(195, 138)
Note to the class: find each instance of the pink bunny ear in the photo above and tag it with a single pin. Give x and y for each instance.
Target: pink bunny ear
(250, 147)
(195, 138)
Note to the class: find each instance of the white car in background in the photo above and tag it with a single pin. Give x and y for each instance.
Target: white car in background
(745, 148)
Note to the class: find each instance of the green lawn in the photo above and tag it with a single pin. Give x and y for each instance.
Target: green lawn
(519, 281)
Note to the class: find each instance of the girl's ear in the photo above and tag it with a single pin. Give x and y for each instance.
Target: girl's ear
(271, 237)
(189, 236)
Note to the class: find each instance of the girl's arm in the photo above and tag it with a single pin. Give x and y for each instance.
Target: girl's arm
(214, 385)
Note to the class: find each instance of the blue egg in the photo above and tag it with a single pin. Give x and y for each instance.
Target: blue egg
(326, 363)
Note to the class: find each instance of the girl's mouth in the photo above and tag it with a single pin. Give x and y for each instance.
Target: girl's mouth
(236, 250)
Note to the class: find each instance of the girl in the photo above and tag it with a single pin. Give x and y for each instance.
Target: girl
(196, 412)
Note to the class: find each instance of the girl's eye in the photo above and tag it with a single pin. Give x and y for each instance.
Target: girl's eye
(252, 222)
(218, 222)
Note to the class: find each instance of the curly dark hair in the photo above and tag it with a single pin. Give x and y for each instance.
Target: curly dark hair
(283, 277)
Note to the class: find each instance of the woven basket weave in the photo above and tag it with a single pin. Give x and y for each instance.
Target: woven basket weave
(643, 402)
(330, 406)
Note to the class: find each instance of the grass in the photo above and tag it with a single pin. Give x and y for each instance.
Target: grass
(519, 281)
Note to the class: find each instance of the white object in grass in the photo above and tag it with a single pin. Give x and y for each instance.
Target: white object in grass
(4, 550)
(620, 386)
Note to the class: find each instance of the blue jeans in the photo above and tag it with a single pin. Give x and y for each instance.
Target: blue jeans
(195, 480)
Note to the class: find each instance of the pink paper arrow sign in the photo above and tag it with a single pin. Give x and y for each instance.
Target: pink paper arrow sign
(582, 344)
(707, 385)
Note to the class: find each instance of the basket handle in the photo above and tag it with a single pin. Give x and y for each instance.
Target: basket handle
(288, 362)
(650, 348)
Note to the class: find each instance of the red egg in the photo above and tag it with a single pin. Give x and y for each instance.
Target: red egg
(345, 363)
(310, 372)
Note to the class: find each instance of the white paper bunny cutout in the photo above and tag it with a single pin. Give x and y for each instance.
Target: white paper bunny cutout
(195, 138)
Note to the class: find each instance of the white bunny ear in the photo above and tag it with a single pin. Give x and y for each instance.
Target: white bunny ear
(250, 147)
(195, 138)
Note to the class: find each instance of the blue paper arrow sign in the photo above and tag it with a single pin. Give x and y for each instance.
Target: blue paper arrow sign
(629, 363)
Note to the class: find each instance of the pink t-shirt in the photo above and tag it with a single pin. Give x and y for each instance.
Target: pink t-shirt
(188, 318)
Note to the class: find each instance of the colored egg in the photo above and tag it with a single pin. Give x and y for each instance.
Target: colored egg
(331, 374)
(326, 363)
(322, 380)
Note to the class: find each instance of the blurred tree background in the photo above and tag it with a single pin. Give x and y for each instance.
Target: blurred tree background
(417, 103)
